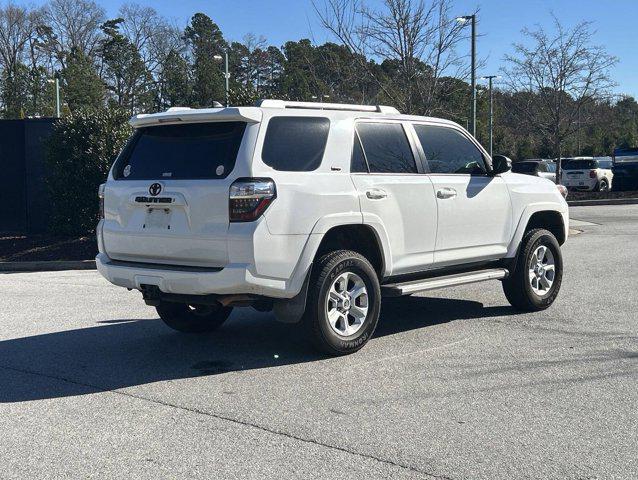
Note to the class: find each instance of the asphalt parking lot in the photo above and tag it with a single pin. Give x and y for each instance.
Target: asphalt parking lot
(455, 385)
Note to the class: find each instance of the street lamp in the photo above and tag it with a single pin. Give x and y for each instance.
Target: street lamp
(218, 58)
(463, 20)
(56, 80)
(489, 78)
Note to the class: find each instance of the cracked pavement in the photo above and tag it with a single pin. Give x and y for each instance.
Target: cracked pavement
(455, 384)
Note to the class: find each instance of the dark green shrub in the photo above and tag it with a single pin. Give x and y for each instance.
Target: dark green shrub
(80, 152)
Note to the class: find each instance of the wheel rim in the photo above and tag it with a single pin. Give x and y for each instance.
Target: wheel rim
(542, 271)
(604, 187)
(347, 304)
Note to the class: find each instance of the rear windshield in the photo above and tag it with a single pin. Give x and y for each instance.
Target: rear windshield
(189, 151)
(523, 167)
(579, 164)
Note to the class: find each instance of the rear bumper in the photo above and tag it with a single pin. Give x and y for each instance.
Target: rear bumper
(232, 279)
(580, 184)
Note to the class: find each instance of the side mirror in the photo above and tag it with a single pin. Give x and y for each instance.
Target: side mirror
(500, 164)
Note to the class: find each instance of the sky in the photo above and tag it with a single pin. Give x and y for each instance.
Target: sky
(500, 24)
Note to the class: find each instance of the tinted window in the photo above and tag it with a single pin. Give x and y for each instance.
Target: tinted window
(386, 148)
(295, 144)
(542, 167)
(524, 167)
(195, 150)
(579, 164)
(449, 151)
(551, 167)
(358, 163)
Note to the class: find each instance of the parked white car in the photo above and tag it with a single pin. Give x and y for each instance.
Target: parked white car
(587, 173)
(316, 211)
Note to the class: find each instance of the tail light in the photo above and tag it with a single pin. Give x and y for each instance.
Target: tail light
(100, 195)
(562, 189)
(249, 198)
(592, 174)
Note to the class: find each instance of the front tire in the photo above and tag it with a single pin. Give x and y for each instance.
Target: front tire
(192, 318)
(344, 301)
(538, 273)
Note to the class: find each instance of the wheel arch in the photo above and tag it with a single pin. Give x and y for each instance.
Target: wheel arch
(549, 216)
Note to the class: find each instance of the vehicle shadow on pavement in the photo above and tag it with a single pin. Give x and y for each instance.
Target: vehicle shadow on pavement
(122, 353)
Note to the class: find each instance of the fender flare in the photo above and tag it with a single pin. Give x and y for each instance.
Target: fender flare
(530, 210)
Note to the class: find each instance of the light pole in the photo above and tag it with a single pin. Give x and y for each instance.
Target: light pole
(489, 78)
(56, 80)
(226, 73)
(463, 20)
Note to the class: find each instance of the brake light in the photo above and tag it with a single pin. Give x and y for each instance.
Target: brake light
(249, 198)
(100, 195)
(592, 174)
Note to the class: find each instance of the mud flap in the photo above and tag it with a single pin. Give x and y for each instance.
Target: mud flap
(291, 310)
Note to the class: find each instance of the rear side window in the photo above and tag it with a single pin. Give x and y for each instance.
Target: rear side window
(449, 151)
(386, 148)
(295, 144)
(604, 164)
(189, 151)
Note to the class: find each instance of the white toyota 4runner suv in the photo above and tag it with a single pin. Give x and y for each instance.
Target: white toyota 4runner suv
(316, 212)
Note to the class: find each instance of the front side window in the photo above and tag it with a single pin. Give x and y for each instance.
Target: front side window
(295, 144)
(186, 151)
(449, 151)
(386, 148)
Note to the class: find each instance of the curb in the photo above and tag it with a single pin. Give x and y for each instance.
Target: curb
(47, 266)
(605, 201)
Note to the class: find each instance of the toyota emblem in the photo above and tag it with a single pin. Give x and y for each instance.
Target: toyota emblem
(155, 189)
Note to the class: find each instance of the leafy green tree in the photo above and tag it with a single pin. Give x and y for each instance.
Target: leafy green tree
(81, 149)
(81, 85)
(175, 81)
(205, 40)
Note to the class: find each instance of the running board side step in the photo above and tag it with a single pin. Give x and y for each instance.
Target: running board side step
(414, 286)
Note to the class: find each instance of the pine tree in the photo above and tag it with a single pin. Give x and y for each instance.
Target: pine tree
(81, 85)
(206, 41)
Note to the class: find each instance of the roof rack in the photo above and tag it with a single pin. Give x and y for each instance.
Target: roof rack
(270, 103)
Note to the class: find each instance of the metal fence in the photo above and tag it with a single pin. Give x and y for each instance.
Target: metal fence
(24, 200)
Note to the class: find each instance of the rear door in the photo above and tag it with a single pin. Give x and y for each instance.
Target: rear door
(394, 193)
(474, 208)
(168, 199)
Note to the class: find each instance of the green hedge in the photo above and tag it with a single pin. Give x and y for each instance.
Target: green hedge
(80, 152)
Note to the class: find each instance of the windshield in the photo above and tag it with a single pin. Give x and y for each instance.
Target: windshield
(579, 165)
(188, 151)
(524, 167)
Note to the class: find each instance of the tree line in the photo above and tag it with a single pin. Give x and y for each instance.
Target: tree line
(555, 96)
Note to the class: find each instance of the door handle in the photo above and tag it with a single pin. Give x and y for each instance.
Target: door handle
(376, 194)
(446, 193)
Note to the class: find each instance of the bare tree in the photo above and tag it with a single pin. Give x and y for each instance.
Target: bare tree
(418, 38)
(150, 33)
(18, 28)
(73, 26)
(555, 77)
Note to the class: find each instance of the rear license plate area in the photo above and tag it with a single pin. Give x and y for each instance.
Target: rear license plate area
(158, 219)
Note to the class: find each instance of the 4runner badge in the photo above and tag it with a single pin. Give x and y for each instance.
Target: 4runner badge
(155, 189)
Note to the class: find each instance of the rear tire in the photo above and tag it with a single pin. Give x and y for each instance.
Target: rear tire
(192, 318)
(344, 301)
(603, 186)
(538, 274)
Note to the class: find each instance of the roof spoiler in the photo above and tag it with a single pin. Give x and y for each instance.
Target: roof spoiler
(177, 115)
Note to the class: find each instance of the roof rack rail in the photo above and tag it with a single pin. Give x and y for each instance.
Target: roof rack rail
(270, 103)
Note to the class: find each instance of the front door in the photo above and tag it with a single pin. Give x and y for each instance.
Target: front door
(474, 208)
